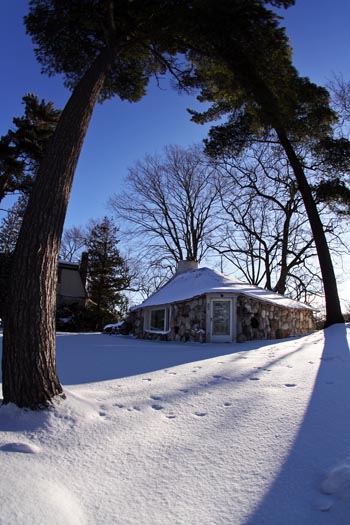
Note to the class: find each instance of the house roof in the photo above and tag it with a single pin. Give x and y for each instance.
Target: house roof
(202, 281)
(68, 265)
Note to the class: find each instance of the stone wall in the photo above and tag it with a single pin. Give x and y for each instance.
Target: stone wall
(263, 320)
(135, 320)
(187, 322)
(255, 320)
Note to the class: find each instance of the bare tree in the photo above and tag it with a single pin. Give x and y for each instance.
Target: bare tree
(147, 277)
(266, 233)
(73, 243)
(170, 205)
(340, 92)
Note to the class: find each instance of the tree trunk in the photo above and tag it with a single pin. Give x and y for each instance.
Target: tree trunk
(270, 106)
(29, 363)
(333, 309)
(3, 184)
(281, 284)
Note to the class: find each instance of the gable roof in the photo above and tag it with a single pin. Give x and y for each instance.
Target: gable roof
(202, 281)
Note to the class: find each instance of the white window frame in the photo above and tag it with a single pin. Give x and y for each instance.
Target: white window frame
(166, 324)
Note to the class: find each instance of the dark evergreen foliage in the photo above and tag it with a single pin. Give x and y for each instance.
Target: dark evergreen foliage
(108, 274)
(106, 48)
(103, 48)
(22, 149)
(244, 69)
(10, 225)
(336, 193)
(70, 36)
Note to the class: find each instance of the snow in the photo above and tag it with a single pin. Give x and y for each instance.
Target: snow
(204, 280)
(113, 325)
(156, 433)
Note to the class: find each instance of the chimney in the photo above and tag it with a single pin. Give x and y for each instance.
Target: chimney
(83, 267)
(186, 266)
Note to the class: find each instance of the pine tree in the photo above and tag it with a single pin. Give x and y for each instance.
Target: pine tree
(104, 48)
(108, 273)
(249, 78)
(9, 231)
(22, 148)
(10, 225)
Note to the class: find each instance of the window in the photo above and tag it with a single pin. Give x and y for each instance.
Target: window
(157, 320)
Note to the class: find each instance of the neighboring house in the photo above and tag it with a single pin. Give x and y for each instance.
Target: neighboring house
(199, 304)
(71, 282)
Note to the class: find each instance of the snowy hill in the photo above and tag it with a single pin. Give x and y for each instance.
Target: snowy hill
(163, 433)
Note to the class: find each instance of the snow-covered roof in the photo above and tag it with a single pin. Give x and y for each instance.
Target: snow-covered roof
(202, 281)
(70, 264)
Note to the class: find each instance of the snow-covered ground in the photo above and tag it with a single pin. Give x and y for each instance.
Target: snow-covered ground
(163, 433)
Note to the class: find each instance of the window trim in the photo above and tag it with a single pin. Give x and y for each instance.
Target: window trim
(166, 323)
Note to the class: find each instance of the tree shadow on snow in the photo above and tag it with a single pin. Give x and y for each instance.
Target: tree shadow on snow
(122, 356)
(88, 358)
(323, 440)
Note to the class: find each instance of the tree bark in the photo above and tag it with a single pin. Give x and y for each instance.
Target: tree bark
(3, 185)
(270, 106)
(29, 362)
(333, 309)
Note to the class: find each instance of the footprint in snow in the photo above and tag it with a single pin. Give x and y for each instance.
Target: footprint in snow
(119, 405)
(104, 415)
(227, 404)
(170, 416)
(325, 504)
(183, 390)
(146, 379)
(156, 398)
(254, 378)
(23, 448)
(157, 407)
(290, 384)
(200, 414)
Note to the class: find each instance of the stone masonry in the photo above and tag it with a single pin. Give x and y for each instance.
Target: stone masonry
(263, 320)
(254, 320)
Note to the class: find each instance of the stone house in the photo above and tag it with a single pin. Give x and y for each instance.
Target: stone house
(199, 304)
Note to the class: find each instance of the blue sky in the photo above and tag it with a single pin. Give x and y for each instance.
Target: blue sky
(121, 133)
